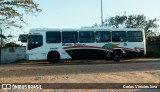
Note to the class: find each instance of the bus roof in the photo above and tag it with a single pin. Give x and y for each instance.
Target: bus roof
(85, 29)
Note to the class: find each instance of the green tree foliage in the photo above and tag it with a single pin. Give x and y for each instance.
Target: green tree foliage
(12, 11)
(11, 44)
(134, 21)
(116, 21)
(2, 36)
(155, 40)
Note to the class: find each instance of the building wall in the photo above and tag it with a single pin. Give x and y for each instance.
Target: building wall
(13, 54)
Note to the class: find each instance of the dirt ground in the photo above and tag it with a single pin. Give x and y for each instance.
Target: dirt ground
(145, 72)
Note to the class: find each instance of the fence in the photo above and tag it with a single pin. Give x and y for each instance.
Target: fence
(13, 54)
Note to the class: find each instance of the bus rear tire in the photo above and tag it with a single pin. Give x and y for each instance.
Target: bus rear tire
(117, 56)
(53, 57)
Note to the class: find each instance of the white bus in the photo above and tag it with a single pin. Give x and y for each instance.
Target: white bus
(84, 43)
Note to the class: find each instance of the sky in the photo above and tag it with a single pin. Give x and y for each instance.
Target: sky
(79, 13)
(83, 13)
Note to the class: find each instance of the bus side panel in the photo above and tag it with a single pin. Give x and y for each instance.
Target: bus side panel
(37, 56)
(87, 53)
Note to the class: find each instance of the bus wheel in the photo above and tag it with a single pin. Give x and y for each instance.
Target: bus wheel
(53, 57)
(117, 56)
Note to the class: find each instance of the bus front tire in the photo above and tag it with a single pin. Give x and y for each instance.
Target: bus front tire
(53, 57)
(117, 56)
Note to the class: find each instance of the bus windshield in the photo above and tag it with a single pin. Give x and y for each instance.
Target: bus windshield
(34, 41)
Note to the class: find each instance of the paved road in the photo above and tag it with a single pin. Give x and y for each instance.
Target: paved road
(42, 68)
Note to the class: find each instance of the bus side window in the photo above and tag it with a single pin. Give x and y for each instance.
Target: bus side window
(70, 37)
(118, 36)
(134, 36)
(103, 36)
(53, 37)
(86, 37)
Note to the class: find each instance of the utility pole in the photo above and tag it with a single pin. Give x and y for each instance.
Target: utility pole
(1, 48)
(101, 13)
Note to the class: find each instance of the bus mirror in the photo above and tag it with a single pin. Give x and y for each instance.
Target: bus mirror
(23, 38)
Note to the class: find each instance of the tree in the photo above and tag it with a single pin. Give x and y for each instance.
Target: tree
(12, 11)
(116, 21)
(11, 44)
(2, 36)
(134, 21)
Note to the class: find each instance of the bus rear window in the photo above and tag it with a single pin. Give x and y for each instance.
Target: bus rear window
(34, 41)
(53, 37)
(134, 36)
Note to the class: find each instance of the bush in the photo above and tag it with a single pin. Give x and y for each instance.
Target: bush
(151, 54)
(11, 44)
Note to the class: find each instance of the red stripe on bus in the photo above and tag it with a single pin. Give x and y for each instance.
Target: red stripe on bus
(81, 47)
